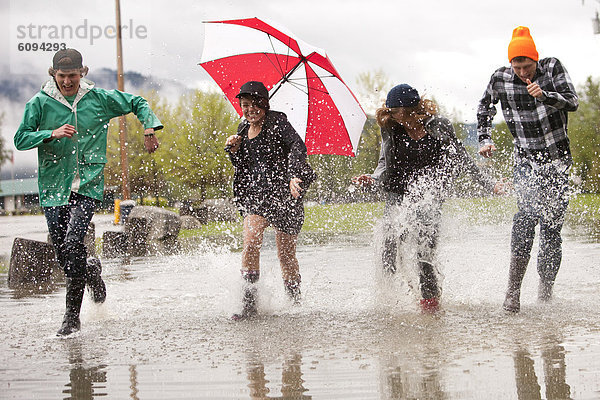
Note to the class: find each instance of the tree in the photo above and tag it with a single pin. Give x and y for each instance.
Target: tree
(4, 154)
(367, 153)
(145, 175)
(193, 146)
(372, 90)
(190, 162)
(502, 161)
(584, 133)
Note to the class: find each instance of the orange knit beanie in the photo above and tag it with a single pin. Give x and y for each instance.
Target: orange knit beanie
(522, 44)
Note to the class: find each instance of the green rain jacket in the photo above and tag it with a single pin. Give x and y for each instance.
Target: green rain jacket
(75, 163)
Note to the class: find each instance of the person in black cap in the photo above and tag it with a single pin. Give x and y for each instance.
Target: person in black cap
(270, 179)
(67, 121)
(419, 158)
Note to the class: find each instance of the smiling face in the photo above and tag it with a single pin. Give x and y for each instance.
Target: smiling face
(524, 68)
(252, 112)
(68, 81)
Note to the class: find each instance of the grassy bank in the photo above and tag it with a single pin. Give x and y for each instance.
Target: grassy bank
(342, 218)
(326, 218)
(353, 218)
(334, 219)
(584, 209)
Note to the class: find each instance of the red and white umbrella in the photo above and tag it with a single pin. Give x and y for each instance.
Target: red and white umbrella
(301, 79)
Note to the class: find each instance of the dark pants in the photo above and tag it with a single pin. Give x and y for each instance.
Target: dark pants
(419, 222)
(542, 197)
(68, 225)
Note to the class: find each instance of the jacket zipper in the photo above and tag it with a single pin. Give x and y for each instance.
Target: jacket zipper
(77, 176)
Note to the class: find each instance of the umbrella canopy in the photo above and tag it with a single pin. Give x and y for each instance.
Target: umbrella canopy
(301, 79)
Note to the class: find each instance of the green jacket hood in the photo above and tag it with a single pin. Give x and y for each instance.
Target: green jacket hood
(50, 88)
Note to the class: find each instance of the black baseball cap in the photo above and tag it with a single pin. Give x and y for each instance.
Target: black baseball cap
(402, 96)
(67, 59)
(254, 88)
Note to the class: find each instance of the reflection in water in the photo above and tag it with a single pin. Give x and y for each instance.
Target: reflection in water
(553, 356)
(553, 360)
(257, 381)
(527, 382)
(412, 385)
(133, 382)
(292, 384)
(83, 380)
(414, 378)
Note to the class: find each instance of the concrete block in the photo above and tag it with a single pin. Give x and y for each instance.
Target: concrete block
(32, 263)
(189, 222)
(161, 223)
(114, 244)
(137, 233)
(220, 210)
(151, 230)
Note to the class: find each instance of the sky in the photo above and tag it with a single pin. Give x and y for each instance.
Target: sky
(445, 49)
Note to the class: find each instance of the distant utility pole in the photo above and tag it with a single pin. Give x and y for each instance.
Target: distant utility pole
(122, 126)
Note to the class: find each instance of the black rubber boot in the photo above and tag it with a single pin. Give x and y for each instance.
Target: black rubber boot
(516, 272)
(428, 280)
(74, 297)
(94, 280)
(249, 306)
(430, 290)
(292, 288)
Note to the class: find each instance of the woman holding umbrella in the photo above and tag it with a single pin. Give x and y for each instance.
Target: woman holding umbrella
(419, 158)
(271, 176)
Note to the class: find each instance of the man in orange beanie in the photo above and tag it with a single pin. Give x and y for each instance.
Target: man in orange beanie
(535, 96)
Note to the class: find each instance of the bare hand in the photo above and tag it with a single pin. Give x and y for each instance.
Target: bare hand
(487, 150)
(234, 141)
(295, 188)
(502, 187)
(150, 141)
(534, 89)
(363, 180)
(64, 131)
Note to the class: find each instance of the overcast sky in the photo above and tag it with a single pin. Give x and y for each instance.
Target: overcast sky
(447, 49)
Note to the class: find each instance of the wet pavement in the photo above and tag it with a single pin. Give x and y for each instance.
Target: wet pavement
(165, 332)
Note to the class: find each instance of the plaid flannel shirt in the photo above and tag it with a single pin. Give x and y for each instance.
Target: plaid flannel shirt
(538, 125)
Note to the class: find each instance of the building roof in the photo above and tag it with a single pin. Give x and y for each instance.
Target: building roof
(19, 186)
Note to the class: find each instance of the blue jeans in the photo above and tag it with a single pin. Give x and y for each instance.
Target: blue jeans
(67, 226)
(542, 197)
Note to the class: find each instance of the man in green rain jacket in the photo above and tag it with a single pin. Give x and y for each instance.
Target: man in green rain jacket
(67, 121)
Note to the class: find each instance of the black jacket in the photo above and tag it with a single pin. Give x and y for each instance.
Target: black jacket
(453, 158)
(283, 157)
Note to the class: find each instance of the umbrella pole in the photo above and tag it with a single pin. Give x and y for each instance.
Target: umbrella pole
(285, 77)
